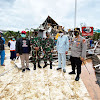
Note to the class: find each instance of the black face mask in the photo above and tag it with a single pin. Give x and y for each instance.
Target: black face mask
(36, 34)
(47, 35)
(76, 33)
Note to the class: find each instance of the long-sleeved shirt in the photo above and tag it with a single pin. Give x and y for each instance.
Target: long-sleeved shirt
(78, 47)
(48, 44)
(2, 42)
(62, 44)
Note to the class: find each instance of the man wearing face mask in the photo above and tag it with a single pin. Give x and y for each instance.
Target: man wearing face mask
(36, 49)
(48, 46)
(23, 49)
(2, 51)
(62, 49)
(12, 44)
(78, 52)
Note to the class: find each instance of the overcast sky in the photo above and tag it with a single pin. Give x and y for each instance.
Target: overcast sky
(21, 14)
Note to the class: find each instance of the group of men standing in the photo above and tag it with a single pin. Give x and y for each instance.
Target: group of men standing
(36, 45)
(78, 52)
(39, 44)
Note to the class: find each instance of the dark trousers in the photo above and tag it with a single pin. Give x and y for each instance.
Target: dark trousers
(12, 55)
(76, 62)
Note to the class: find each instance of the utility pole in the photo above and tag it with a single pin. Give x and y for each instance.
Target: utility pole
(75, 13)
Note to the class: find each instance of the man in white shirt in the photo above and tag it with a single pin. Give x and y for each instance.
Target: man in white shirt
(12, 45)
(62, 49)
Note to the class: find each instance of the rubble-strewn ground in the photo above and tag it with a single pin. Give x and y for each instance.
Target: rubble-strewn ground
(42, 84)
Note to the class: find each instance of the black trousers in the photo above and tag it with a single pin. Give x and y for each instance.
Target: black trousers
(76, 62)
(12, 55)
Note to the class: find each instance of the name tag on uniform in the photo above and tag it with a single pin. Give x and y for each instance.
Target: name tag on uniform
(78, 43)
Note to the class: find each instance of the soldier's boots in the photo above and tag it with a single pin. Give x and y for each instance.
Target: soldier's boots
(73, 72)
(39, 65)
(50, 65)
(27, 69)
(45, 65)
(23, 70)
(77, 77)
(34, 67)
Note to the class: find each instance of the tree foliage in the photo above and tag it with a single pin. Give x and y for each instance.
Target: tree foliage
(96, 36)
(10, 34)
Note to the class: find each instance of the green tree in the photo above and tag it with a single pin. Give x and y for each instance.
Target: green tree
(96, 36)
(10, 34)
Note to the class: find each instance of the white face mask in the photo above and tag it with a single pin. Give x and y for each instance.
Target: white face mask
(61, 34)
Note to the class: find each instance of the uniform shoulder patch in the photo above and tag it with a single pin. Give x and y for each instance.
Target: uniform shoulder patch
(84, 41)
(79, 40)
(73, 39)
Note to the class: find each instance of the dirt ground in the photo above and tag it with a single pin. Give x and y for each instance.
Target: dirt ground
(40, 84)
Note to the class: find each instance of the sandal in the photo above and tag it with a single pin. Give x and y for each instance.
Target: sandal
(2, 65)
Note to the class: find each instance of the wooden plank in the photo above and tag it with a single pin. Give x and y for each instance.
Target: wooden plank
(90, 80)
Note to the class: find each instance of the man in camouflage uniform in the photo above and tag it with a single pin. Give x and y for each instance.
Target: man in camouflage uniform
(78, 52)
(48, 45)
(36, 49)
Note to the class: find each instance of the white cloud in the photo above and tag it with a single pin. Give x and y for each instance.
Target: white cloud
(21, 14)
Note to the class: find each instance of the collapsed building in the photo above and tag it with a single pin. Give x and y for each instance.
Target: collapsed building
(51, 26)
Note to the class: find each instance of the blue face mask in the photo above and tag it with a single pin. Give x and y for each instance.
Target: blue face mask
(23, 35)
(13, 39)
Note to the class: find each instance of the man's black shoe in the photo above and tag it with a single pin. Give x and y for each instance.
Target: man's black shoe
(77, 78)
(51, 65)
(27, 69)
(39, 65)
(23, 70)
(34, 67)
(58, 68)
(44, 66)
(72, 72)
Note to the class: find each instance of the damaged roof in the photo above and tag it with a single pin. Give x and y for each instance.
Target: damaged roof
(51, 21)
